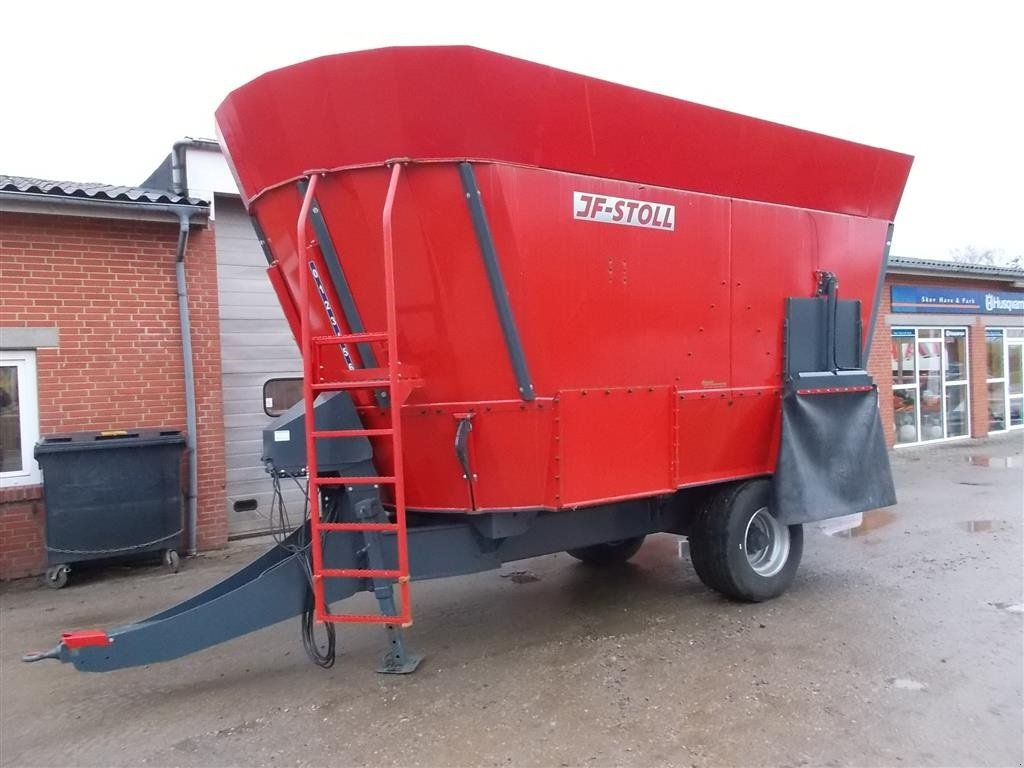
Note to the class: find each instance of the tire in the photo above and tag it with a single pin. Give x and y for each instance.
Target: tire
(56, 576)
(739, 549)
(171, 560)
(609, 553)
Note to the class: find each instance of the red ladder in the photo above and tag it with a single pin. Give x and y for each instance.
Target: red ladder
(386, 377)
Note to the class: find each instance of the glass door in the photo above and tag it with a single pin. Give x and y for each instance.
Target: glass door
(996, 380)
(929, 383)
(904, 385)
(956, 418)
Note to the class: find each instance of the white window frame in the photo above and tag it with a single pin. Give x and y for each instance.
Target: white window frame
(908, 387)
(28, 411)
(999, 379)
(944, 365)
(1015, 337)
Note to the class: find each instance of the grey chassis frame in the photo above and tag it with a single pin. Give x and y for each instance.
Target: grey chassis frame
(274, 587)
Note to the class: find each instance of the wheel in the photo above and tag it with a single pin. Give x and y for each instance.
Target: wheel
(56, 576)
(609, 553)
(738, 548)
(171, 560)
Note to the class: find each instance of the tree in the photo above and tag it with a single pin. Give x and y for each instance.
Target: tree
(993, 257)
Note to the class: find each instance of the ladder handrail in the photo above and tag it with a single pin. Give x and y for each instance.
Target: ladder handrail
(301, 248)
(398, 489)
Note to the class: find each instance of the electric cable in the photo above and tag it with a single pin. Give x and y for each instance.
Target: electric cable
(281, 530)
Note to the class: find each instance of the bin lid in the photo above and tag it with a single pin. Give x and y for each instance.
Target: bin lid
(107, 439)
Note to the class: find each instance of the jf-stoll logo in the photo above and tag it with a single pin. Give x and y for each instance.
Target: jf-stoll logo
(622, 210)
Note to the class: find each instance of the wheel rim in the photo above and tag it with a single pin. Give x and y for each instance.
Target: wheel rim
(766, 543)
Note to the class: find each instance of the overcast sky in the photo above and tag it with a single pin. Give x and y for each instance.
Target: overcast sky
(99, 91)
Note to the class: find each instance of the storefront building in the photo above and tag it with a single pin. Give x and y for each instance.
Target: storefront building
(948, 351)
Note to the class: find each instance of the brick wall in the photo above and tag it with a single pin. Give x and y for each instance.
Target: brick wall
(880, 356)
(880, 365)
(21, 531)
(109, 287)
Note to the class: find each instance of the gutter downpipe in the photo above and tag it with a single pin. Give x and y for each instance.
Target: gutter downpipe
(184, 226)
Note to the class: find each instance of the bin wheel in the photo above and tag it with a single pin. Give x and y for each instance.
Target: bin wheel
(609, 553)
(171, 560)
(738, 548)
(56, 576)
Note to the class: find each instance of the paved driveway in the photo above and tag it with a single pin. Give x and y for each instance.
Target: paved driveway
(900, 643)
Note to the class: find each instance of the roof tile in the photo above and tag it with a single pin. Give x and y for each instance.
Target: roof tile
(93, 191)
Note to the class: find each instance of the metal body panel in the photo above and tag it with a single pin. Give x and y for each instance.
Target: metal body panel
(598, 307)
(555, 235)
(460, 102)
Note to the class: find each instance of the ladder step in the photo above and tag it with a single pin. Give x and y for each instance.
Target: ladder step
(357, 527)
(359, 573)
(372, 480)
(337, 433)
(364, 618)
(338, 386)
(351, 338)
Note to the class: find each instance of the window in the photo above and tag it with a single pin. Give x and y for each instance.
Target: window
(281, 394)
(931, 400)
(1015, 376)
(1005, 378)
(954, 388)
(904, 384)
(995, 345)
(19, 418)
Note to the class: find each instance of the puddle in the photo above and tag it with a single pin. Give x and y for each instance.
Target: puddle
(995, 462)
(976, 526)
(849, 526)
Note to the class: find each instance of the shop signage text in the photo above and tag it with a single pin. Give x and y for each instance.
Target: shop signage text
(956, 301)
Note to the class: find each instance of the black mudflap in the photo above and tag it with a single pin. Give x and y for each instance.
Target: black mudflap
(833, 459)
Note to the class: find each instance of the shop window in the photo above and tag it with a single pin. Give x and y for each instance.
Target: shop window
(903, 357)
(955, 387)
(1015, 380)
(19, 418)
(931, 398)
(904, 384)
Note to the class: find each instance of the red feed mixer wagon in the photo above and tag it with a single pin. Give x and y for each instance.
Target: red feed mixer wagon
(540, 312)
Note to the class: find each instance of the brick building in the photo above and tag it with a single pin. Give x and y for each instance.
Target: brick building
(90, 337)
(947, 351)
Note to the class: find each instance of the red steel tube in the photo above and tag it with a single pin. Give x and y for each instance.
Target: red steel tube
(307, 387)
(394, 394)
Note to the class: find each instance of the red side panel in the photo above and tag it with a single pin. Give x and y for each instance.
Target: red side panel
(456, 102)
(647, 247)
